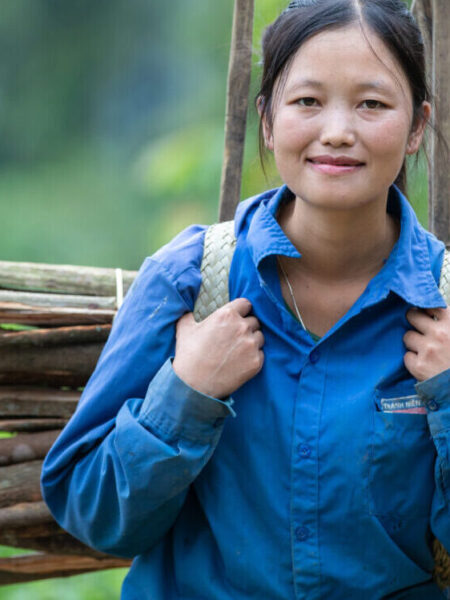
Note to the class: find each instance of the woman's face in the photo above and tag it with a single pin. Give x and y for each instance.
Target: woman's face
(342, 120)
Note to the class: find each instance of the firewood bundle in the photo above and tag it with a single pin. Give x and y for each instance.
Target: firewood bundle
(54, 321)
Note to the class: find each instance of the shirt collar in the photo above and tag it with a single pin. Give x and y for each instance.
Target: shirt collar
(265, 236)
(407, 271)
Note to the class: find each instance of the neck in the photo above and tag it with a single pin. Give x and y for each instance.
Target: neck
(339, 244)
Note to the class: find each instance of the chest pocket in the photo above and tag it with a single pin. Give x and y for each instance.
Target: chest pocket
(401, 481)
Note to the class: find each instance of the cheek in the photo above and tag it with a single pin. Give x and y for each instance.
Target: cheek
(391, 139)
(291, 133)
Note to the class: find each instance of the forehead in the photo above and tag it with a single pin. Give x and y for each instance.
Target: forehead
(348, 55)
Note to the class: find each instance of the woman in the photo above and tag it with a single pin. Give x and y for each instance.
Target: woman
(333, 475)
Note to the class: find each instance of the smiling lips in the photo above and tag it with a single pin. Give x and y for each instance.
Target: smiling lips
(335, 165)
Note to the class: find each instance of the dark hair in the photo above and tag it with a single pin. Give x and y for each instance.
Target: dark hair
(390, 20)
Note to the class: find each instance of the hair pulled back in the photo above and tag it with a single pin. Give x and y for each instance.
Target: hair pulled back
(390, 20)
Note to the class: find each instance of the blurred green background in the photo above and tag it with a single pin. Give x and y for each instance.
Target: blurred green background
(112, 118)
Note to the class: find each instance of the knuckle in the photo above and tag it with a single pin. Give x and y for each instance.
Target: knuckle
(256, 363)
(250, 344)
(242, 328)
(260, 360)
(420, 366)
(227, 312)
(441, 336)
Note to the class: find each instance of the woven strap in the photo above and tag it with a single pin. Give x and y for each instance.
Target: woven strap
(218, 251)
(441, 556)
(444, 284)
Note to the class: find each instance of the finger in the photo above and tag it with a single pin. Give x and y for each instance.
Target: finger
(259, 338)
(420, 320)
(252, 323)
(437, 314)
(410, 360)
(412, 340)
(241, 305)
(185, 322)
(261, 357)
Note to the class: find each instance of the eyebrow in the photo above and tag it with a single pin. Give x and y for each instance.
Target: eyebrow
(363, 86)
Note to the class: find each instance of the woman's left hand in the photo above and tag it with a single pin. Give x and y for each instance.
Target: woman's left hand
(428, 345)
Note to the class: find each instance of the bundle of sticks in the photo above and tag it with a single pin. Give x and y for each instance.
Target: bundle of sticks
(54, 321)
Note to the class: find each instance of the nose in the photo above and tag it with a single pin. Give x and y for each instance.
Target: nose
(337, 128)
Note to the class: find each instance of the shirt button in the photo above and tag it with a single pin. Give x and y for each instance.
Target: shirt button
(314, 356)
(304, 450)
(432, 405)
(302, 533)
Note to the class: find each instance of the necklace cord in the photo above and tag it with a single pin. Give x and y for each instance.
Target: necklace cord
(291, 291)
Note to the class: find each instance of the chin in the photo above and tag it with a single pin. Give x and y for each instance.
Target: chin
(333, 201)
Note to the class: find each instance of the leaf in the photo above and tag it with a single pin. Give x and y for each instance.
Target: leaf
(16, 327)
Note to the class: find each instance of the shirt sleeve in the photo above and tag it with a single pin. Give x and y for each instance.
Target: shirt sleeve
(117, 476)
(435, 393)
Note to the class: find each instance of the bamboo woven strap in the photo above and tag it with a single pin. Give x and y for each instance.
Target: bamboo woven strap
(218, 252)
(444, 284)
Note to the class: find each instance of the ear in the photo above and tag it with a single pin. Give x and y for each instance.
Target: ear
(418, 130)
(267, 131)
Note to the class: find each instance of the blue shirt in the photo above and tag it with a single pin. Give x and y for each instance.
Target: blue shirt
(312, 485)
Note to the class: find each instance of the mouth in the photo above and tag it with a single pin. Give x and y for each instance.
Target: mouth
(335, 165)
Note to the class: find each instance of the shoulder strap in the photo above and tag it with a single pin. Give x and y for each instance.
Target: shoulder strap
(444, 285)
(218, 251)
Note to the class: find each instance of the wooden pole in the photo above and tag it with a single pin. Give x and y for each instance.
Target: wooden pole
(61, 279)
(21, 569)
(239, 72)
(439, 203)
(26, 447)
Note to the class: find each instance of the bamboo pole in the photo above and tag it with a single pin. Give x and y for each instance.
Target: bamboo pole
(239, 72)
(439, 205)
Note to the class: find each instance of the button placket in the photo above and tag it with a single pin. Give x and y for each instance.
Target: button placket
(314, 356)
(304, 450)
(305, 476)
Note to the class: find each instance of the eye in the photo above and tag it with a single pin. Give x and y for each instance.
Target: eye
(308, 102)
(373, 104)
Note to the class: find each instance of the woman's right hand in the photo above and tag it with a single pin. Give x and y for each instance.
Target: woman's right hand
(222, 352)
